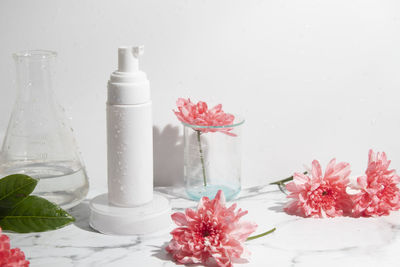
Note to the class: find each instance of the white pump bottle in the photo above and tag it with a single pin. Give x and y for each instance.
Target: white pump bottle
(129, 132)
(130, 207)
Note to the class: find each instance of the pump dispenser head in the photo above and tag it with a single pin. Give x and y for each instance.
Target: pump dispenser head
(128, 85)
(128, 58)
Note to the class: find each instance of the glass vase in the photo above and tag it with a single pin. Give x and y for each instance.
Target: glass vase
(212, 160)
(39, 142)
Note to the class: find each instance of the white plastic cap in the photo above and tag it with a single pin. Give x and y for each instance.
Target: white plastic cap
(128, 58)
(128, 85)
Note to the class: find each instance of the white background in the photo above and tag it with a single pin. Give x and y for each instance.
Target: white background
(314, 79)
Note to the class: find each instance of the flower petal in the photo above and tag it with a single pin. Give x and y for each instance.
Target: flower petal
(316, 169)
(179, 218)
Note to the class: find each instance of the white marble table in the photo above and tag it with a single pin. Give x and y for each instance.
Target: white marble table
(296, 242)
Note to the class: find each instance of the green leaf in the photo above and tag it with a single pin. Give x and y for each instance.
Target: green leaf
(35, 214)
(15, 188)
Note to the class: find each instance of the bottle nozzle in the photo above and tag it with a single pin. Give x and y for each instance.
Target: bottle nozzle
(128, 58)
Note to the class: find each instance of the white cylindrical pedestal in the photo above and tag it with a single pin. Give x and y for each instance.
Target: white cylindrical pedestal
(144, 219)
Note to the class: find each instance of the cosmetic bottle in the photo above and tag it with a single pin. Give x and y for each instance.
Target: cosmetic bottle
(129, 132)
(130, 207)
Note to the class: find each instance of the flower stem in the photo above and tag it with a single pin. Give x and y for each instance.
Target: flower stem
(285, 180)
(261, 235)
(202, 158)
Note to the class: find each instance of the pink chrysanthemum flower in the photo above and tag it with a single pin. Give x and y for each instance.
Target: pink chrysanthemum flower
(10, 257)
(199, 114)
(379, 192)
(318, 195)
(212, 231)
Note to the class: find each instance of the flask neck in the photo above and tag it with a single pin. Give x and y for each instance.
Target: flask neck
(35, 71)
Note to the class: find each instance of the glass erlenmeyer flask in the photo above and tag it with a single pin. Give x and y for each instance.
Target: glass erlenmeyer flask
(39, 141)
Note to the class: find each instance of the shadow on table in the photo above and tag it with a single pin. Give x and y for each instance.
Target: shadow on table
(81, 213)
(160, 253)
(278, 208)
(172, 192)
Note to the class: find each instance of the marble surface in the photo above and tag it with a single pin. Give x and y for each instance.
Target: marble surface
(297, 241)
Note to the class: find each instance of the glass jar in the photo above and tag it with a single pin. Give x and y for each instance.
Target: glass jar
(212, 160)
(39, 142)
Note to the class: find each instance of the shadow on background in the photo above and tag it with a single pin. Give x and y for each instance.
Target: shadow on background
(168, 156)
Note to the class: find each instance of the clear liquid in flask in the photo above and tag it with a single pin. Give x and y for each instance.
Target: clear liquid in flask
(63, 183)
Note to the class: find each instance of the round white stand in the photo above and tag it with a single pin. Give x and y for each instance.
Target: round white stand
(144, 219)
